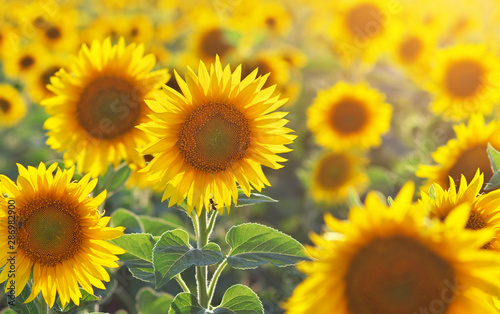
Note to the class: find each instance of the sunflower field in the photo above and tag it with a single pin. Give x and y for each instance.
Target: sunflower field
(241, 157)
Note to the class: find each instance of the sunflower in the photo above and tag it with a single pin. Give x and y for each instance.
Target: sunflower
(206, 42)
(58, 34)
(271, 17)
(334, 173)
(463, 82)
(485, 208)
(361, 29)
(60, 236)
(12, 106)
(463, 155)
(412, 49)
(38, 82)
(138, 28)
(99, 104)
(218, 132)
(23, 63)
(393, 260)
(346, 116)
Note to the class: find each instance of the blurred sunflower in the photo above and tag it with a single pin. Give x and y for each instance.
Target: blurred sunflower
(60, 33)
(463, 155)
(412, 49)
(218, 132)
(362, 29)
(393, 261)
(23, 63)
(138, 28)
(347, 116)
(485, 208)
(99, 104)
(60, 235)
(464, 82)
(38, 82)
(12, 106)
(271, 17)
(208, 41)
(334, 173)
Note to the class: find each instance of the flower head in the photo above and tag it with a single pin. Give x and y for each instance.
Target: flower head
(59, 233)
(99, 103)
(218, 132)
(392, 260)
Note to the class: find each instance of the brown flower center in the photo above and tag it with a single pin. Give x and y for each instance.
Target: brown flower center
(398, 275)
(26, 62)
(214, 43)
(467, 165)
(364, 19)
(475, 221)
(39, 22)
(109, 107)
(53, 33)
(214, 136)
(410, 49)
(49, 231)
(348, 116)
(464, 78)
(333, 171)
(4, 105)
(134, 32)
(271, 22)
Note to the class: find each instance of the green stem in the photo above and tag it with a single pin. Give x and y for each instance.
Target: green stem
(201, 271)
(194, 219)
(43, 307)
(181, 282)
(215, 278)
(211, 222)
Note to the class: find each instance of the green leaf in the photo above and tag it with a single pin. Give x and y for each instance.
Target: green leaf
(17, 303)
(7, 311)
(239, 299)
(158, 226)
(119, 177)
(129, 220)
(148, 301)
(172, 254)
(255, 244)
(494, 182)
(87, 299)
(494, 156)
(186, 303)
(139, 256)
(255, 198)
